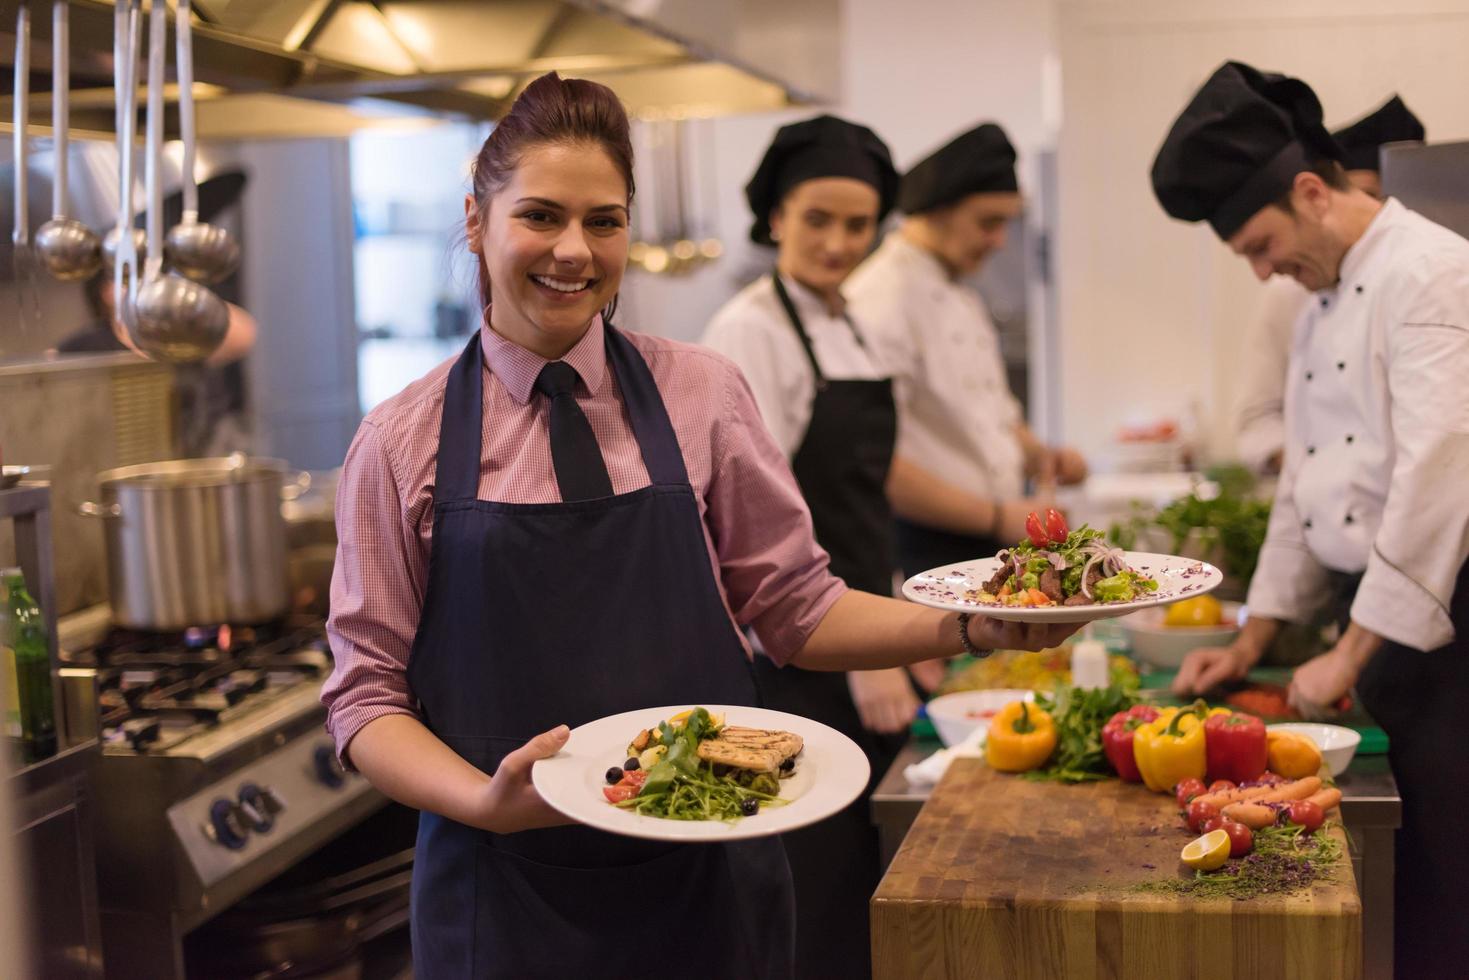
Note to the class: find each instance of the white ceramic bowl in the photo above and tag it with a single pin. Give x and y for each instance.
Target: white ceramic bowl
(956, 716)
(1166, 646)
(1337, 744)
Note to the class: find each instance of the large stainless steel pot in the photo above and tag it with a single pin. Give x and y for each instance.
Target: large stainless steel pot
(195, 542)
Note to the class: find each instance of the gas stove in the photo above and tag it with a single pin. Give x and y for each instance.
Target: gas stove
(216, 774)
(157, 692)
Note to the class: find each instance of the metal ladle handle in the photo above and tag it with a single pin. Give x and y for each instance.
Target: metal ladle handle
(128, 28)
(60, 100)
(21, 232)
(184, 48)
(153, 179)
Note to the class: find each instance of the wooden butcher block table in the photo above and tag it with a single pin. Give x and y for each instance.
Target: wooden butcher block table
(1004, 878)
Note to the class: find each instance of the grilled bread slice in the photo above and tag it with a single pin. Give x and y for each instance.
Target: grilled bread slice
(755, 749)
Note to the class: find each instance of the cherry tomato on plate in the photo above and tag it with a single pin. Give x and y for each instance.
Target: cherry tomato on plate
(1056, 528)
(1036, 530)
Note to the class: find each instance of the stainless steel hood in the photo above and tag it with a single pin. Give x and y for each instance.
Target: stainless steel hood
(321, 67)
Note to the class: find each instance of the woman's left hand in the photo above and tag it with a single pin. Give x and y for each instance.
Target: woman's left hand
(995, 634)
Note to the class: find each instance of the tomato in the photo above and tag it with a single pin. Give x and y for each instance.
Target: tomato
(1221, 786)
(1306, 814)
(1198, 813)
(1036, 530)
(1271, 779)
(620, 792)
(1056, 528)
(1187, 790)
(1241, 838)
(636, 778)
(1214, 823)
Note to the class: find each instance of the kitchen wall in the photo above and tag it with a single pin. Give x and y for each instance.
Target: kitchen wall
(1152, 311)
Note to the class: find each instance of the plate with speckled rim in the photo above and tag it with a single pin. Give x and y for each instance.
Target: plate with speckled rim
(830, 772)
(955, 587)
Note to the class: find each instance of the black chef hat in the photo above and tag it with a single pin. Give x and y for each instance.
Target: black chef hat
(980, 161)
(1361, 141)
(1238, 146)
(824, 146)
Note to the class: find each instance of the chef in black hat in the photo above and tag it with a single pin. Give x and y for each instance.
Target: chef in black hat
(1371, 504)
(1260, 407)
(818, 196)
(964, 451)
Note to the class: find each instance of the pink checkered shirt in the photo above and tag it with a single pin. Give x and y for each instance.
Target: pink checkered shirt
(772, 574)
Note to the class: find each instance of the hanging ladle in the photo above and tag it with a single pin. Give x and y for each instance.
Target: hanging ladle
(69, 249)
(23, 257)
(194, 248)
(125, 83)
(173, 318)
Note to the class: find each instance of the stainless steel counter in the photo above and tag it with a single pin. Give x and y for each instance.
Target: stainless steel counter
(1371, 810)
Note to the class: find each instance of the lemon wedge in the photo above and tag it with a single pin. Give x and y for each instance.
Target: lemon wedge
(1208, 852)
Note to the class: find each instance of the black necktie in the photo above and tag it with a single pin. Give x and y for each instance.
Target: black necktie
(580, 472)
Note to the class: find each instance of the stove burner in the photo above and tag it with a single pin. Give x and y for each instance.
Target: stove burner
(157, 690)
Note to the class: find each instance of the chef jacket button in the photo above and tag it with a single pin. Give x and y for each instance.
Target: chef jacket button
(1309, 375)
(1359, 289)
(1341, 365)
(1351, 439)
(1308, 524)
(1349, 518)
(1310, 450)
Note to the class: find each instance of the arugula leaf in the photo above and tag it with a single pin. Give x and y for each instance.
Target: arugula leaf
(1079, 716)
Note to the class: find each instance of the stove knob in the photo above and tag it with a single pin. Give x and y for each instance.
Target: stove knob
(328, 770)
(226, 825)
(259, 807)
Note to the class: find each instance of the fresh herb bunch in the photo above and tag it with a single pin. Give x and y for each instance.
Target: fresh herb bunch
(1232, 519)
(1284, 859)
(1079, 716)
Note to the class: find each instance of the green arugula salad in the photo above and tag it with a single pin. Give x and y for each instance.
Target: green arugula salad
(695, 767)
(1055, 566)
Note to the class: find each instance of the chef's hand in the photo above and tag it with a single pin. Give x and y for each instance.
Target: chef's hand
(885, 700)
(510, 802)
(995, 634)
(1319, 685)
(1069, 465)
(929, 673)
(1207, 668)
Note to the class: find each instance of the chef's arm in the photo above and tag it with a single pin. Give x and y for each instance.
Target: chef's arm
(923, 498)
(406, 762)
(862, 631)
(1049, 465)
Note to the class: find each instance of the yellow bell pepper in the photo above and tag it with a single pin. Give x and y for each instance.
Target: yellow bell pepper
(1291, 755)
(1022, 737)
(1170, 748)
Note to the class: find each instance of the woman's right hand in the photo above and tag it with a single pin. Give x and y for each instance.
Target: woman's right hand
(1206, 668)
(998, 634)
(509, 801)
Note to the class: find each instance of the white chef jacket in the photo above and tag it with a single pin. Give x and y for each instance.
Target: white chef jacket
(1259, 417)
(752, 330)
(1376, 476)
(957, 418)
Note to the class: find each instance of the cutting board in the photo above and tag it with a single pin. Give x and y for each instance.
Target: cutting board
(1003, 878)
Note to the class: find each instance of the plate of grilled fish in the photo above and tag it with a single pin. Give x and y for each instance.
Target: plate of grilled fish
(702, 773)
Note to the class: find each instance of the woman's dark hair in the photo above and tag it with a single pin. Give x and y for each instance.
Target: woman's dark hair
(552, 109)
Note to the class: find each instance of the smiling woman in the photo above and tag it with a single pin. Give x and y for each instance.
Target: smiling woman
(563, 523)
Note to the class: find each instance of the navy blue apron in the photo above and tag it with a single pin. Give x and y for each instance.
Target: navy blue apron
(841, 467)
(537, 615)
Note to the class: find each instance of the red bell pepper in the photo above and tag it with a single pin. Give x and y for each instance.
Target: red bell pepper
(1117, 739)
(1235, 746)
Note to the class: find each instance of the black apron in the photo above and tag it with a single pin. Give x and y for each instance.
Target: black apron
(841, 467)
(1419, 700)
(541, 614)
(921, 548)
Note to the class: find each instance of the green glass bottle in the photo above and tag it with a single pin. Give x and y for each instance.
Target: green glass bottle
(32, 655)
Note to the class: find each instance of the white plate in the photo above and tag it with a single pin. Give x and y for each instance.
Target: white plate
(830, 773)
(956, 716)
(949, 587)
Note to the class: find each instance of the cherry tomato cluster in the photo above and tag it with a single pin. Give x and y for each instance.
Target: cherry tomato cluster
(1044, 532)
